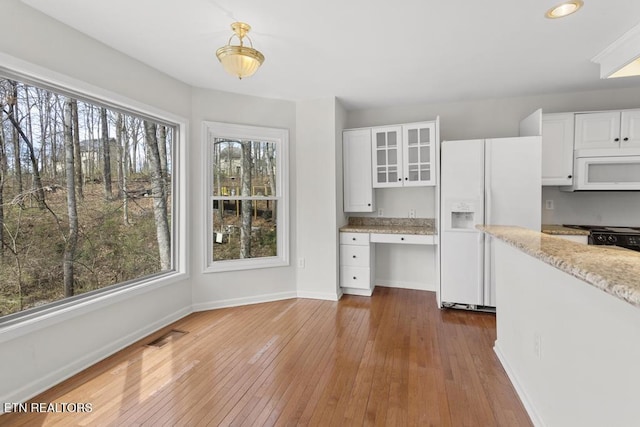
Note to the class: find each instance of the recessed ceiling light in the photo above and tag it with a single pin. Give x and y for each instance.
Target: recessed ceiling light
(564, 9)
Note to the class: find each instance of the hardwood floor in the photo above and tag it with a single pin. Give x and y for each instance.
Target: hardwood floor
(393, 359)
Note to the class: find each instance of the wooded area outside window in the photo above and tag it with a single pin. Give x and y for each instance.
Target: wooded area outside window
(87, 196)
(247, 197)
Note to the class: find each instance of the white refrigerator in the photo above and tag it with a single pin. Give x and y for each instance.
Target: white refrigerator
(493, 182)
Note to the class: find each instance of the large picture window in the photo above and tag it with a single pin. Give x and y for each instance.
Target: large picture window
(87, 196)
(247, 192)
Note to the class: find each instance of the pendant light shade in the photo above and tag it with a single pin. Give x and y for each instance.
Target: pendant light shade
(239, 60)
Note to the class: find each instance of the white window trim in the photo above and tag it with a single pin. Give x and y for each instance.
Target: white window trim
(257, 133)
(49, 316)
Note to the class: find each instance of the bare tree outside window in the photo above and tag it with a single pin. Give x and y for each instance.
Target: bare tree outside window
(245, 202)
(65, 229)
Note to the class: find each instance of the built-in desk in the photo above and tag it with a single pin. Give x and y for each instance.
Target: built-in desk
(357, 247)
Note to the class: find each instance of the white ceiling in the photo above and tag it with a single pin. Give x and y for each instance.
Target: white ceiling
(368, 53)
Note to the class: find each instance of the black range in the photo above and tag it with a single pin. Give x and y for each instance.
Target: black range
(626, 237)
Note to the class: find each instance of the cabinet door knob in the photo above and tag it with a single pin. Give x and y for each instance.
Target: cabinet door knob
(354, 256)
(569, 176)
(353, 238)
(626, 139)
(399, 179)
(368, 204)
(617, 139)
(402, 238)
(354, 278)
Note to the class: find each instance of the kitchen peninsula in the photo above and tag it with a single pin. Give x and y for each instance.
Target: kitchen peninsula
(568, 327)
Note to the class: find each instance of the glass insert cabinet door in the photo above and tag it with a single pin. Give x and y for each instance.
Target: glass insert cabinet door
(419, 154)
(404, 156)
(387, 156)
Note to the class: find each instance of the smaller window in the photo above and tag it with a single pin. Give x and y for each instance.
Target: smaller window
(247, 192)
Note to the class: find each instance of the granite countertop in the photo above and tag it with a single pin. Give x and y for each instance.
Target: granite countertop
(390, 225)
(612, 269)
(558, 229)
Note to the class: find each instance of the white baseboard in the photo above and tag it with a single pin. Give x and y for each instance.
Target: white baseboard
(44, 383)
(236, 302)
(356, 291)
(319, 295)
(522, 394)
(419, 286)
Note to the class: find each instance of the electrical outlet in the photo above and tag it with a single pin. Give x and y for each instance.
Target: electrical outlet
(380, 212)
(301, 263)
(412, 213)
(537, 345)
(548, 205)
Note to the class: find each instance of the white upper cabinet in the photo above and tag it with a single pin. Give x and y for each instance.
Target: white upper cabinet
(557, 149)
(404, 155)
(386, 143)
(630, 129)
(418, 157)
(356, 158)
(610, 129)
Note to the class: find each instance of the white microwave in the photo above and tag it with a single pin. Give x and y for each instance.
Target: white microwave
(615, 173)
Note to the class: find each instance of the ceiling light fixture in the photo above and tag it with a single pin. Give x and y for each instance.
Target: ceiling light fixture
(564, 9)
(240, 60)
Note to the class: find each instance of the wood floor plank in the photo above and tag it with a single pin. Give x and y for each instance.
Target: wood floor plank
(393, 359)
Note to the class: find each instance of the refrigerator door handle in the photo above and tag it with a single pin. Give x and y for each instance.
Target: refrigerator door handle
(481, 267)
(487, 184)
(487, 289)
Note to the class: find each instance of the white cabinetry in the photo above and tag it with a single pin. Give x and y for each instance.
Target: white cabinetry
(387, 156)
(608, 129)
(418, 155)
(557, 149)
(356, 156)
(404, 155)
(406, 239)
(356, 256)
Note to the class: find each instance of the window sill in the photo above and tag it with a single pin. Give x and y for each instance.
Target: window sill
(59, 313)
(246, 264)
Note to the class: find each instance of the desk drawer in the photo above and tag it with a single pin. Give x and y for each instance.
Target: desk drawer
(354, 239)
(356, 256)
(411, 239)
(355, 277)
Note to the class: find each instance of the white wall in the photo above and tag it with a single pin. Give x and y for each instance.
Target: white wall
(406, 266)
(34, 358)
(589, 344)
(591, 207)
(212, 290)
(316, 176)
(340, 120)
(493, 118)
(396, 202)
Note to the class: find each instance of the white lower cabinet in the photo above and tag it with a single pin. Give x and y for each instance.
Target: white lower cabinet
(356, 255)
